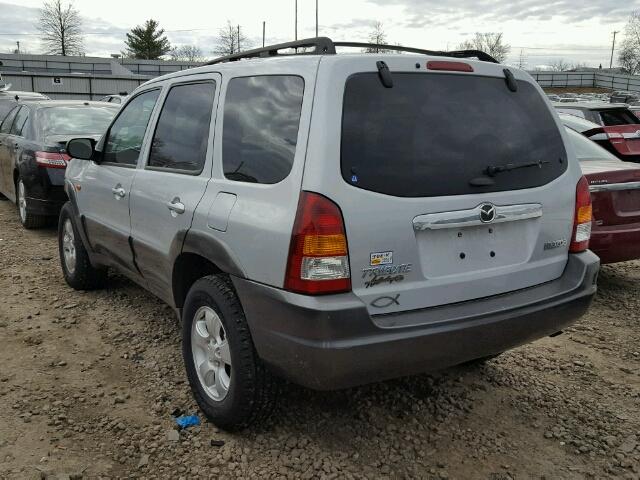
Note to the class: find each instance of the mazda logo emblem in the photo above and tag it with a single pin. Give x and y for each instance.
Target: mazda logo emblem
(487, 213)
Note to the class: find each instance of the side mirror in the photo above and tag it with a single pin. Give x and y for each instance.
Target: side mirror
(81, 148)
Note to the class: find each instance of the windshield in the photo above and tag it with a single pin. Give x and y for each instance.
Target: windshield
(75, 120)
(431, 134)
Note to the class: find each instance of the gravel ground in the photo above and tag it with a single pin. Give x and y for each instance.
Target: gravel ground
(89, 381)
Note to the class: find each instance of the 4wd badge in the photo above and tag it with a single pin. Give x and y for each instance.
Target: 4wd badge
(381, 258)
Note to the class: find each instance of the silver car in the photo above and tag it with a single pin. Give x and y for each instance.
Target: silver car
(335, 219)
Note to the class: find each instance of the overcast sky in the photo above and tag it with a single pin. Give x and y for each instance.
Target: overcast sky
(576, 31)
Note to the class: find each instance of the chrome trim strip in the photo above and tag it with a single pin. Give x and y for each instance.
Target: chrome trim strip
(610, 187)
(471, 217)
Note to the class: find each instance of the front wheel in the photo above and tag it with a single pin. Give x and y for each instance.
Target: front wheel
(228, 380)
(74, 259)
(28, 220)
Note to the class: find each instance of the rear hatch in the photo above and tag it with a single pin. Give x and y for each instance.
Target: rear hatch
(426, 224)
(622, 140)
(615, 191)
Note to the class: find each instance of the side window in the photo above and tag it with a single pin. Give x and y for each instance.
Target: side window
(261, 119)
(8, 121)
(124, 142)
(20, 121)
(182, 133)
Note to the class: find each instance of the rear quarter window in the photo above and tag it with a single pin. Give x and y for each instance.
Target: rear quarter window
(431, 134)
(260, 132)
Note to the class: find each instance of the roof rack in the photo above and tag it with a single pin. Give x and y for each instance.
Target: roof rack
(325, 46)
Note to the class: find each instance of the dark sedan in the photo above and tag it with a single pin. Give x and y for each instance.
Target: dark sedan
(33, 137)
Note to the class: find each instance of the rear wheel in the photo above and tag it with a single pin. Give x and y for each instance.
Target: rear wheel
(28, 220)
(228, 380)
(74, 259)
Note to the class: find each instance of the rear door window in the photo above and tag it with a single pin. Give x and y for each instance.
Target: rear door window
(431, 134)
(182, 133)
(260, 133)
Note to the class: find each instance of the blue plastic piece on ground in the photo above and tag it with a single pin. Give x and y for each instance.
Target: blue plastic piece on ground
(187, 421)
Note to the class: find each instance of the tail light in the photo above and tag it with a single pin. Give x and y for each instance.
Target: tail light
(52, 159)
(582, 217)
(318, 256)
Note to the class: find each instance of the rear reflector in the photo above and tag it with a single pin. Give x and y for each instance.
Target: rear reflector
(52, 159)
(449, 66)
(318, 260)
(582, 217)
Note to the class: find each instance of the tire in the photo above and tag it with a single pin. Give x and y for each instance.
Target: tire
(28, 220)
(238, 390)
(74, 259)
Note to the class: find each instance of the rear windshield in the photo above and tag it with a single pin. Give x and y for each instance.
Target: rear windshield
(586, 149)
(431, 134)
(620, 116)
(75, 120)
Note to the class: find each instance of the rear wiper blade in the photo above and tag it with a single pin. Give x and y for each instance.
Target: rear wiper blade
(493, 170)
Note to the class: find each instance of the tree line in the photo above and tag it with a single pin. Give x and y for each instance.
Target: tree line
(61, 28)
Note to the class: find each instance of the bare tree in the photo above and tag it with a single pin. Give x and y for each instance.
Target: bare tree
(629, 56)
(377, 36)
(231, 40)
(560, 65)
(491, 43)
(187, 53)
(61, 28)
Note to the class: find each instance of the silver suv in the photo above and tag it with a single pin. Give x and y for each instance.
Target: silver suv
(335, 219)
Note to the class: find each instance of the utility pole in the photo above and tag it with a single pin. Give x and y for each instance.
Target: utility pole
(613, 46)
(316, 18)
(296, 21)
(18, 44)
(238, 38)
(264, 28)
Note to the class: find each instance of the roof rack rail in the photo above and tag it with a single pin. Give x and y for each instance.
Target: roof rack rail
(321, 45)
(325, 46)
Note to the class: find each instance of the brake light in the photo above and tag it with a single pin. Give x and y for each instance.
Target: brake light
(52, 159)
(449, 66)
(318, 260)
(582, 217)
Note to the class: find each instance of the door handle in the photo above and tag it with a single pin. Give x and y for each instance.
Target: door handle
(118, 191)
(176, 206)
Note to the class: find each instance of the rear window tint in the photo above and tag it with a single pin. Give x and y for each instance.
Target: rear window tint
(431, 134)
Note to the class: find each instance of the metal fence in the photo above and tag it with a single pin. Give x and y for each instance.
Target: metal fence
(612, 81)
(75, 87)
(56, 64)
(84, 86)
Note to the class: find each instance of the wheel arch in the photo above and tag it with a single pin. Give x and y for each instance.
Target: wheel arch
(202, 254)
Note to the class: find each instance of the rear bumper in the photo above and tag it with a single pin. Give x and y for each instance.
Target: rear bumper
(617, 243)
(332, 342)
(50, 204)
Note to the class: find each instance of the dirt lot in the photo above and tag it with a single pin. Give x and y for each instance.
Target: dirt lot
(88, 383)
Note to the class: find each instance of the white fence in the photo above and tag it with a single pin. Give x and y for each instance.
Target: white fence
(612, 81)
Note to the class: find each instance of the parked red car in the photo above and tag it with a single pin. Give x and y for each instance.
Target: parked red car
(620, 136)
(615, 198)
